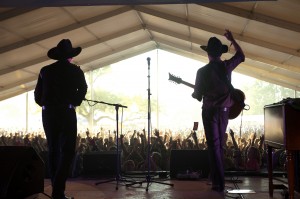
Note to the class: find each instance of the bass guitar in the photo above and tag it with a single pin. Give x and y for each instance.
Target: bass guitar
(238, 97)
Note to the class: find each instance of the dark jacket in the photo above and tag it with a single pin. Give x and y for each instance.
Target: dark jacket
(60, 83)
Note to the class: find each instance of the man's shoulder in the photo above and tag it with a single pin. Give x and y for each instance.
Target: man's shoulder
(48, 67)
(205, 68)
(76, 68)
(60, 65)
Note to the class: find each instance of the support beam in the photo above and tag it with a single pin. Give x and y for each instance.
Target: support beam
(42, 3)
(215, 30)
(14, 12)
(15, 84)
(119, 58)
(86, 45)
(113, 51)
(253, 16)
(65, 29)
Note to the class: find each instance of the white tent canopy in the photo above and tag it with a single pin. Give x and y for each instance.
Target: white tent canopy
(268, 31)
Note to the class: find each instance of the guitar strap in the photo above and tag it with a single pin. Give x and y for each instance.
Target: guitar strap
(224, 77)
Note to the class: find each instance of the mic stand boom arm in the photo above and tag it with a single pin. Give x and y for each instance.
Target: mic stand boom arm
(118, 177)
(101, 102)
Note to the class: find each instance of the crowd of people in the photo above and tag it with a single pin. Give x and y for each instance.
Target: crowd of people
(246, 152)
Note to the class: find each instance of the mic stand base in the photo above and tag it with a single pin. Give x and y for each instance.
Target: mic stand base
(149, 181)
(118, 177)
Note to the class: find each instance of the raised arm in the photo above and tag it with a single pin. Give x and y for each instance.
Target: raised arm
(132, 137)
(195, 138)
(124, 148)
(261, 143)
(236, 147)
(230, 38)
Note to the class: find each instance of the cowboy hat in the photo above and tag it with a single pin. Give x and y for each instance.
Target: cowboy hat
(215, 47)
(63, 50)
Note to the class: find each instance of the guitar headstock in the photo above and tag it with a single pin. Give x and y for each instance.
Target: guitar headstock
(175, 79)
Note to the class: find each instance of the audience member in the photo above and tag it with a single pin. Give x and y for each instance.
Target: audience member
(241, 153)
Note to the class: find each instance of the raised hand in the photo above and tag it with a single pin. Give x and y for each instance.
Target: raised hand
(262, 138)
(156, 132)
(228, 35)
(231, 133)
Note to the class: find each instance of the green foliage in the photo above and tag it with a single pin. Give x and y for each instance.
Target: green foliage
(262, 93)
(105, 107)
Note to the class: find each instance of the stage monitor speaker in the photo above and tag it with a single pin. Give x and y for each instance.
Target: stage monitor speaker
(187, 161)
(297, 171)
(44, 156)
(21, 172)
(102, 163)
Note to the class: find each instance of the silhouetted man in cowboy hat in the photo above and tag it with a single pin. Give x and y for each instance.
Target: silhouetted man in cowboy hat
(60, 88)
(211, 87)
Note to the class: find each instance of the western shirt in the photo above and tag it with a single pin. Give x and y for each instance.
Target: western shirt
(210, 83)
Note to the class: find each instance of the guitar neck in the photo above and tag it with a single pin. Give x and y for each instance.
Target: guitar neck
(187, 84)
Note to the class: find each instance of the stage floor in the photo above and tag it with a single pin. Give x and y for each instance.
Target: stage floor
(86, 188)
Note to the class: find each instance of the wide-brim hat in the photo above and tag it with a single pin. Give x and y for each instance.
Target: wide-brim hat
(64, 50)
(215, 47)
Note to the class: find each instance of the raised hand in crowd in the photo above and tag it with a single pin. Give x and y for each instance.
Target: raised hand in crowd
(195, 138)
(236, 147)
(253, 137)
(133, 136)
(261, 142)
(134, 152)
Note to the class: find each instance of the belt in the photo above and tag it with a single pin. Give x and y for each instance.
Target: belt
(218, 108)
(225, 109)
(70, 106)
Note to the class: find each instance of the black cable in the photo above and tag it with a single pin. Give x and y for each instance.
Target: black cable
(239, 195)
(89, 102)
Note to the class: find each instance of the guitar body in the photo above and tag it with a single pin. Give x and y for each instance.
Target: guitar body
(238, 105)
(237, 95)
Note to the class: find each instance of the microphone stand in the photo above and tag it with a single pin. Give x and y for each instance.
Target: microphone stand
(148, 176)
(118, 177)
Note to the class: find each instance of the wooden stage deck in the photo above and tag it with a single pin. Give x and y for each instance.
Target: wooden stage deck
(86, 188)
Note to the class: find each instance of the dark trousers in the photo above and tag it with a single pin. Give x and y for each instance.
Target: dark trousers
(60, 126)
(215, 121)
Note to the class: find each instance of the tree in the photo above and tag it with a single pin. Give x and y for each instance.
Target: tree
(262, 93)
(95, 112)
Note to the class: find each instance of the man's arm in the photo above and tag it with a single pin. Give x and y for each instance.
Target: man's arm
(238, 57)
(236, 46)
(81, 88)
(198, 94)
(38, 90)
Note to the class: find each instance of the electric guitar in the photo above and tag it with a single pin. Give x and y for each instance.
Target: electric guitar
(234, 110)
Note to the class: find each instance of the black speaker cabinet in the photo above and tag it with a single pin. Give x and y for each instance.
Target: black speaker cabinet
(186, 161)
(100, 163)
(21, 172)
(297, 171)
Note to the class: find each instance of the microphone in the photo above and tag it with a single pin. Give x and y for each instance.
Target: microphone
(148, 60)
